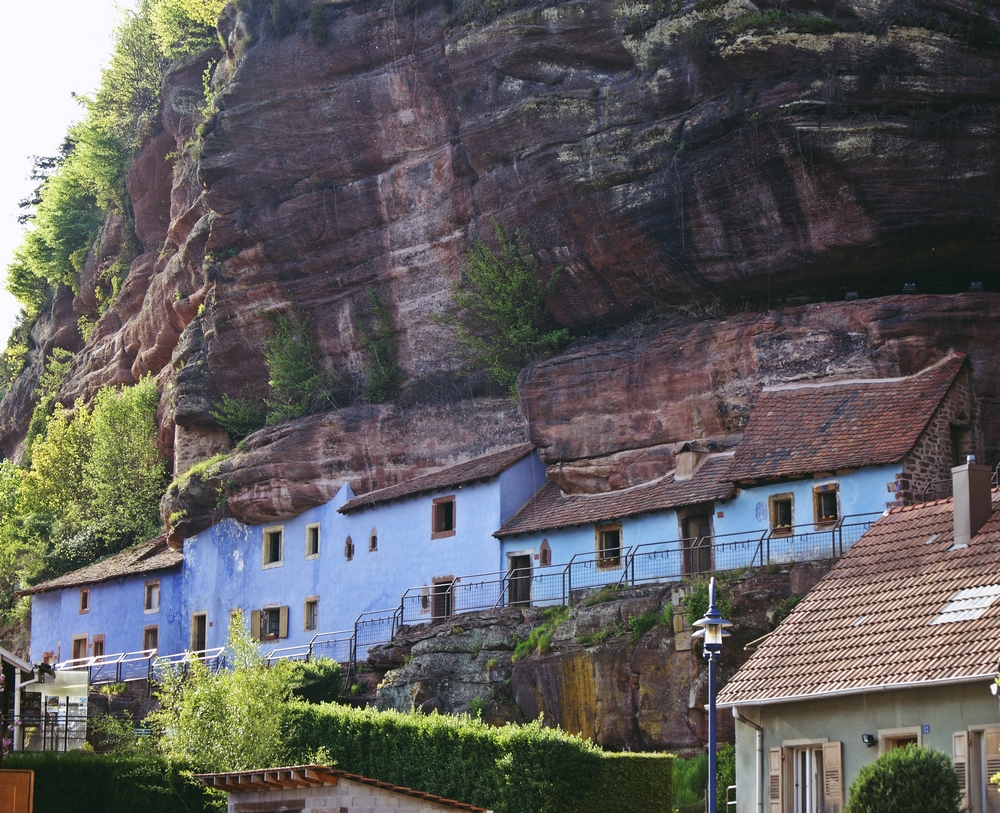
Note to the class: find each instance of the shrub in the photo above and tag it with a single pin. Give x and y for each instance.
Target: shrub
(696, 604)
(299, 384)
(382, 372)
(540, 637)
(85, 783)
(513, 769)
(503, 321)
(639, 625)
(906, 780)
(240, 416)
(317, 681)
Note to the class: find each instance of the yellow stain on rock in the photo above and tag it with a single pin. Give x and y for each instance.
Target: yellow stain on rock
(578, 695)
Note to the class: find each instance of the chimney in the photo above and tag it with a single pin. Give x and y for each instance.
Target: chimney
(688, 459)
(973, 502)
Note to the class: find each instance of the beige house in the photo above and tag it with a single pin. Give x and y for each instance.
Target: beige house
(309, 788)
(897, 644)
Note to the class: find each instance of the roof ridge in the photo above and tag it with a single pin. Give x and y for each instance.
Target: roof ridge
(713, 456)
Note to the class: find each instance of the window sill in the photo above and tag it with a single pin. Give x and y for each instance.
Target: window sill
(151, 612)
(269, 565)
(442, 534)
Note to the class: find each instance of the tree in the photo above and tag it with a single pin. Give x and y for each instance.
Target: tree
(906, 780)
(299, 383)
(228, 721)
(503, 321)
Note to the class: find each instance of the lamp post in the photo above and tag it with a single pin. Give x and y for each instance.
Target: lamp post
(712, 628)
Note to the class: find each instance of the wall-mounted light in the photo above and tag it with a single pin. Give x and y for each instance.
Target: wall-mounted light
(975, 287)
(910, 288)
(869, 739)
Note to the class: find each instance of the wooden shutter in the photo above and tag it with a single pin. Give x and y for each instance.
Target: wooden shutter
(255, 625)
(774, 780)
(991, 745)
(283, 621)
(960, 759)
(833, 777)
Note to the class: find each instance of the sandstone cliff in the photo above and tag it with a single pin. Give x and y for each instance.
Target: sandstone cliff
(679, 160)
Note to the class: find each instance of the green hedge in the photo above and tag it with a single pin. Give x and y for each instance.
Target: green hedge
(85, 783)
(513, 769)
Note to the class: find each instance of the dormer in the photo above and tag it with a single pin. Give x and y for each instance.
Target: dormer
(689, 456)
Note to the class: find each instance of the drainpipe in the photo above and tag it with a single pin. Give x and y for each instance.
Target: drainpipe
(760, 756)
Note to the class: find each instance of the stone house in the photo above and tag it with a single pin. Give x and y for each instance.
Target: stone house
(126, 603)
(897, 644)
(319, 789)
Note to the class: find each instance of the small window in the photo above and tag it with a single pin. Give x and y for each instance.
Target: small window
(97, 649)
(373, 541)
(85, 600)
(273, 552)
(609, 544)
(781, 514)
(545, 554)
(443, 517)
(891, 738)
(349, 549)
(273, 623)
(152, 600)
(311, 613)
(151, 638)
(825, 504)
(80, 648)
(312, 541)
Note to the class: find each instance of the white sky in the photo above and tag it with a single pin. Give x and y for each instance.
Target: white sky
(51, 49)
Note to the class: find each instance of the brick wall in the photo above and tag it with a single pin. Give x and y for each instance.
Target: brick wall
(931, 458)
(194, 444)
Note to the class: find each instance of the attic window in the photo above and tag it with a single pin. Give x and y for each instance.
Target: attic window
(968, 604)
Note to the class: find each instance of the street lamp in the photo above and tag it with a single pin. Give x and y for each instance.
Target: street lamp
(712, 628)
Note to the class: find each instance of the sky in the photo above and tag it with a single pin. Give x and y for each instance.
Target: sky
(51, 49)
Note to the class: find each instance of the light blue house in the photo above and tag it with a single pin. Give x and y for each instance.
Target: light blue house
(816, 464)
(129, 602)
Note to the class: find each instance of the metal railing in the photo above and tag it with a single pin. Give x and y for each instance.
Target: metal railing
(335, 645)
(213, 659)
(121, 667)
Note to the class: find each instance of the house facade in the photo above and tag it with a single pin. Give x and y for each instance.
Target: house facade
(898, 644)
(127, 603)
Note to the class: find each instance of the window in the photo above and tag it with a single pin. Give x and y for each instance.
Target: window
(373, 541)
(349, 549)
(151, 603)
(311, 613)
(312, 541)
(85, 600)
(199, 632)
(781, 514)
(443, 517)
(961, 444)
(806, 778)
(269, 624)
(98, 646)
(545, 554)
(273, 551)
(150, 638)
(892, 738)
(79, 647)
(609, 544)
(976, 756)
(826, 508)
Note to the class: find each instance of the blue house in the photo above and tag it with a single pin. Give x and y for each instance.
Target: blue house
(816, 463)
(129, 602)
(322, 569)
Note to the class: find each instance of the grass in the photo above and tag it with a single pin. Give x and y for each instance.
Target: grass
(540, 638)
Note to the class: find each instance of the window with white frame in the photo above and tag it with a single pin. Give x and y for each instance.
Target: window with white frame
(273, 551)
(312, 541)
(311, 613)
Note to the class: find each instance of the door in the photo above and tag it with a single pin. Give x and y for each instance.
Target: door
(199, 632)
(441, 600)
(697, 544)
(808, 777)
(519, 583)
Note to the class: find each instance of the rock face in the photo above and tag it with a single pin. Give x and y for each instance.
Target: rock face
(672, 157)
(622, 691)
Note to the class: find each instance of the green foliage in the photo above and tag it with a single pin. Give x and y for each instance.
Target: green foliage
(771, 20)
(513, 769)
(185, 26)
(230, 721)
(725, 775)
(696, 604)
(240, 416)
(317, 681)
(117, 736)
(299, 384)
(382, 372)
(910, 779)
(639, 625)
(605, 594)
(503, 321)
(49, 382)
(318, 24)
(540, 638)
(85, 783)
(690, 784)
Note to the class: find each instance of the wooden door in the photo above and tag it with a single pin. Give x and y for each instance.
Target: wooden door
(519, 583)
(697, 544)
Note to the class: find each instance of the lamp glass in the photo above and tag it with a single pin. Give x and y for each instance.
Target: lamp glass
(713, 634)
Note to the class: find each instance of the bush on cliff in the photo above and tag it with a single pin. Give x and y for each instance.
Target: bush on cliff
(503, 321)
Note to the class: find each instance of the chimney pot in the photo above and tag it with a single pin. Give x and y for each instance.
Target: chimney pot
(972, 501)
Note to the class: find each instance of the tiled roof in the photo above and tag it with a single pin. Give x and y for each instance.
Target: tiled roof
(147, 557)
(479, 468)
(550, 508)
(875, 621)
(805, 428)
(306, 776)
